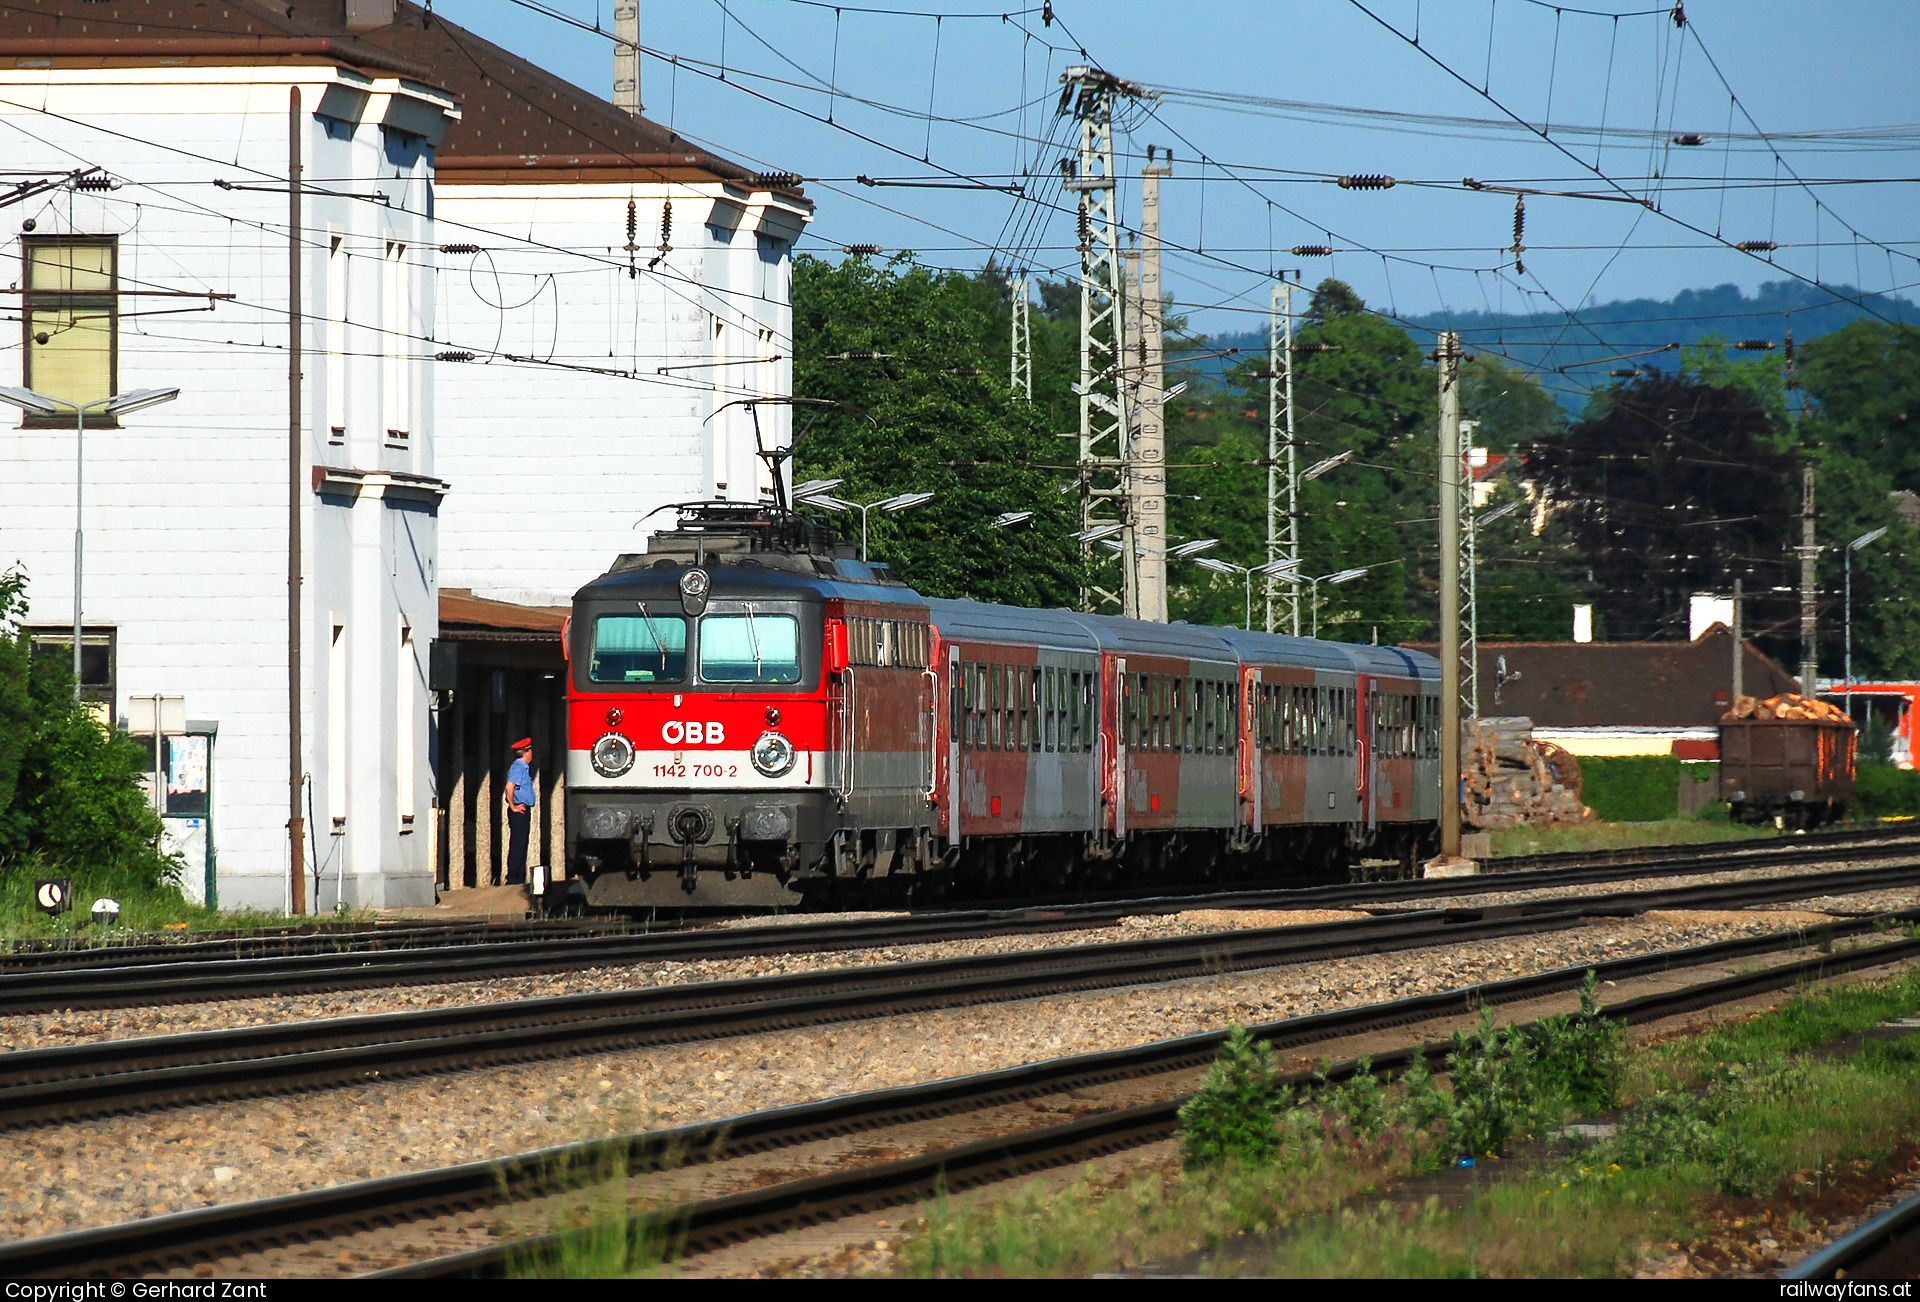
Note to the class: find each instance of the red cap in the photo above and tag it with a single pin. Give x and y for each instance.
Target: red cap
(525, 743)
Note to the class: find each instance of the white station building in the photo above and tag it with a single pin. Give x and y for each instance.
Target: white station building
(493, 395)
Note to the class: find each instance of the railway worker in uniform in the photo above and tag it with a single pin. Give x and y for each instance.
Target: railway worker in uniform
(521, 798)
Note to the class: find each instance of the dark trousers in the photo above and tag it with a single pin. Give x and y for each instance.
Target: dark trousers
(518, 826)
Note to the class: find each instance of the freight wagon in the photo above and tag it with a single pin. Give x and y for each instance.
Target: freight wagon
(1797, 772)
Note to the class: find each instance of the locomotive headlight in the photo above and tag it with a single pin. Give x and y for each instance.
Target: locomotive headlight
(612, 755)
(695, 584)
(772, 754)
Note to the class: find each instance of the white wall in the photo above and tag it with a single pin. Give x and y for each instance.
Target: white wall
(187, 506)
(565, 435)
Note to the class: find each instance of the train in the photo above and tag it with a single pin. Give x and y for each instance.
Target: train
(759, 719)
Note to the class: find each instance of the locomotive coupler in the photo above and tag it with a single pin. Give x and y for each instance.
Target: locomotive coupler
(646, 834)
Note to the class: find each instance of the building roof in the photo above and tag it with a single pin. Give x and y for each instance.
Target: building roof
(518, 118)
(464, 616)
(1622, 684)
(220, 31)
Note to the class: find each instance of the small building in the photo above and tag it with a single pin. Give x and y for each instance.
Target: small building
(1625, 698)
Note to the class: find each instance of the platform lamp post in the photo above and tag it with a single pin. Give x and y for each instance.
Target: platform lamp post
(887, 505)
(1332, 580)
(1863, 540)
(120, 404)
(1282, 569)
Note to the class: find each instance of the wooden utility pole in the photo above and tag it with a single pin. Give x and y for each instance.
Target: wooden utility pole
(1147, 476)
(296, 501)
(1739, 647)
(1448, 357)
(626, 55)
(1809, 598)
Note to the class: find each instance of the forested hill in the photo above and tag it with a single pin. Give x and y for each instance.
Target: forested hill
(1540, 342)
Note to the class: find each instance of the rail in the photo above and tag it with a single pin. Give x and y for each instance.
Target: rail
(184, 1239)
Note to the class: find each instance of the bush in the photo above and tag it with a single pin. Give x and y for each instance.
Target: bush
(1577, 1058)
(70, 794)
(1496, 1098)
(1882, 791)
(1232, 1116)
(1631, 788)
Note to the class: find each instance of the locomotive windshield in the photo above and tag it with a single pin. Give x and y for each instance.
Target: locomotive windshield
(643, 648)
(750, 648)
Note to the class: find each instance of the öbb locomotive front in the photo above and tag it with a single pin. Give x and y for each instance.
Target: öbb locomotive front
(757, 718)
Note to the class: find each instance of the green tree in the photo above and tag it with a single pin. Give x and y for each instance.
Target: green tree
(923, 405)
(74, 799)
(1863, 385)
(1761, 377)
(1508, 406)
(1361, 387)
(1672, 487)
(16, 701)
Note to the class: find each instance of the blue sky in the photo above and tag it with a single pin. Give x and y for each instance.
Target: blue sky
(972, 94)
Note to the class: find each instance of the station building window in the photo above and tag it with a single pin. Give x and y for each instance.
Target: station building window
(71, 322)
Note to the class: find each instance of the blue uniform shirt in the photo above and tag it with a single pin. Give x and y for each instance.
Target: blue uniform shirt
(520, 778)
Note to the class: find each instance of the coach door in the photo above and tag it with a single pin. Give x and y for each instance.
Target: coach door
(1364, 699)
(1115, 740)
(956, 721)
(1249, 746)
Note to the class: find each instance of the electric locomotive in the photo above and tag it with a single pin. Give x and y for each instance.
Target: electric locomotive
(747, 717)
(756, 718)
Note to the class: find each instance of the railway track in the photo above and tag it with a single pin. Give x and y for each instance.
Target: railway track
(227, 1237)
(1886, 1247)
(41, 1086)
(64, 981)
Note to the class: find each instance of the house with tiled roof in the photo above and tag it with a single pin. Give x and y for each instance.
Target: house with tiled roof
(503, 354)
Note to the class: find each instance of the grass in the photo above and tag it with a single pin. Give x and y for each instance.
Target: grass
(1587, 837)
(1717, 1128)
(144, 910)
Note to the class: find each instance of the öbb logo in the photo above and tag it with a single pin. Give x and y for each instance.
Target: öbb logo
(694, 733)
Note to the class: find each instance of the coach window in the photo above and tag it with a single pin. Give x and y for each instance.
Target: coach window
(1090, 708)
(1073, 711)
(1043, 709)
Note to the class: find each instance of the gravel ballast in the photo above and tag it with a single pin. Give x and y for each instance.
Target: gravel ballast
(118, 1168)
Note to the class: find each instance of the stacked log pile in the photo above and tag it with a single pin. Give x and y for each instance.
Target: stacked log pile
(1790, 706)
(1511, 780)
